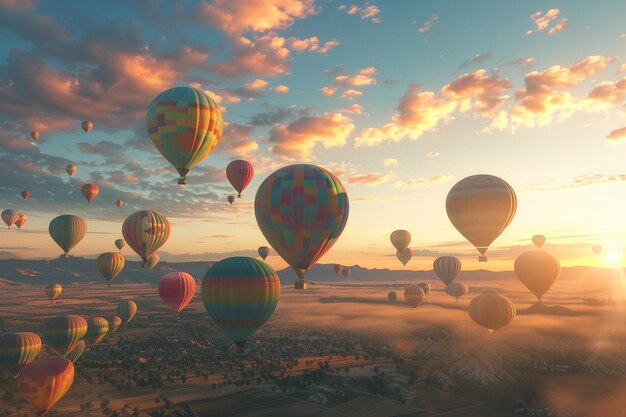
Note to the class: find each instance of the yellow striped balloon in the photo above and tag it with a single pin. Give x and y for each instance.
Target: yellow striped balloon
(110, 264)
(18, 350)
(98, 328)
(145, 232)
(53, 290)
(62, 333)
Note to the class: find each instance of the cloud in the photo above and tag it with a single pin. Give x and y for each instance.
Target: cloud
(277, 115)
(432, 155)
(311, 44)
(543, 20)
(559, 27)
(282, 89)
(367, 12)
(434, 19)
(476, 59)
(239, 140)
(617, 135)
(371, 178)
(486, 91)
(522, 62)
(606, 94)
(352, 109)
(581, 181)
(422, 182)
(103, 148)
(390, 162)
(261, 55)
(347, 83)
(297, 139)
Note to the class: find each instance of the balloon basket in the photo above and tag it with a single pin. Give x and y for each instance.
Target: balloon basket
(182, 181)
(482, 258)
(301, 285)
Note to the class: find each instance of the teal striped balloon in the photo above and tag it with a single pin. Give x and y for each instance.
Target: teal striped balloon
(67, 231)
(240, 294)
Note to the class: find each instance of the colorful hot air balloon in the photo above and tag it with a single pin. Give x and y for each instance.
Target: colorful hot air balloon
(120, 243)
(185, 125)
(240, 294)
(45, 381)
(301, 210)
(231, 199)
(346, 272)
(62, 333)
(98, 328)
(597, 249)
(539, 240)
(67, 231)
(481, 207)
(414, 295)
(114, 323)
(492, 311)
(152, 261)
(400, 239)
(110, 264)
(10, 216)
(145, 232)
(77, 352)
(537, 270)
(425, 287)
(35, 135)
(119, 203)
(392, 296)
(176, 289)
(87, 126)
(457, 290)
(239, 174)
(404, 256)
(447, 268)
(89, 191)
(70, 169)
(18, 350)
(25, 194)
(126, 309)
(337, 268)
(21, 220)
(263, 251)
(53, 290)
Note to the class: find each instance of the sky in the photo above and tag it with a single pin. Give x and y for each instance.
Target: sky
(399, 99)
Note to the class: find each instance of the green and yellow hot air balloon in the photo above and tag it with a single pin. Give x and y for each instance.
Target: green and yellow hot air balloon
(67, 231)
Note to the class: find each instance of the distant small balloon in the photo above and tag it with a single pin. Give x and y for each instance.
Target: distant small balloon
(89, 191)
(126, 309)
(35, 135)
(9, 217)
(231, 199)
(414, 295)
(492, 311)
(21, 220)
(337, 268)
(98, 327)
(597, 249)
(346, 272)
(263, 251)
(87, 126)
(120, 243)
(457, 290)
(401, 239)
(539, 240)
(70, 169)
(538, 270)
(114, 324)
(447, 268)
(392, 296)
(25, 194)
(404, 256)
(53, 290)
(425, 287)
(119, 203)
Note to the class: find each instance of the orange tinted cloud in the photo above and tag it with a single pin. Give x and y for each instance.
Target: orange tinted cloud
(543, 20)
(607, 94)
(311, 44)
(617, 135)
(421, 182)
(347, 83)
(264, 55)
(429, 24)
(371, 178)
(366, 12)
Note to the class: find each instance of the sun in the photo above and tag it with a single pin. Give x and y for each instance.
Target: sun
(612, 258)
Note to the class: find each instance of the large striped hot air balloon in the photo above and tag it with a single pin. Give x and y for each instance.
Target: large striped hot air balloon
(185, 125)
(21, 220)
(239, 174)
(404, 256)
(77, 352)
(240, 295)
(456, 290)
(492, 311)
(152, 261)
(447, 268)
(67, 231)
(400, 239)
(53, 290)
(9, 217)
(18, 350)
(126, 309)
(263, 251)
(45, 381)
(70, 169)
(110, 264)
(62, 333)
(145, 232)
(176, 289)
(98, 327)
(481, 207)
(114, 324)
(301, 210)
(414, 295)
(537, 270)
(89, 191)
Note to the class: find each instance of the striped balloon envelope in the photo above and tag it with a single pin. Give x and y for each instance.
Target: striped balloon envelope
(98, 328)
(53, 291)
(240, 295)
(77, 352)
(62, 333)
(152, 261)
(457, 290)
(110, 264)
(126, 309)
(45, 381)
(176, 289)
(414, 295)
(18, 350)
(447, 268)
(239, 174)
(114, 324)
(492, 311)
(301, 210)
(67, 231)
(9, 217)
(145, 232)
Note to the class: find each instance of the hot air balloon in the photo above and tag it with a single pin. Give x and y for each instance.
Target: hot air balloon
(110, 264)
(152, 261)
(337, 268)
(120, 243)
(10, 216)
(67, 231)
(89, 191)
(414, 295)
(401, 239)
(176, 289)
(114, 324)
(87, 126)
(481, 207)
(77, 352)
(425, 287)
(346, 272)
(457, 290)
(98, 328)
(25, 194)
(119, 203)
(35, 135)
(53, 290)
(126, 309)
(18, 350)
(301, 210)
(447, 268)
(70, 169)
(184, 124)
(263, 251)
(21, 220)
(239, 174)
(240, 295)
(595, 248)
(231, 199)
(539, 240)
(392, 296)
(62, 333)
(45, 381)
(404, 256)
(492, 311)
(537, 270)
(145, 232)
